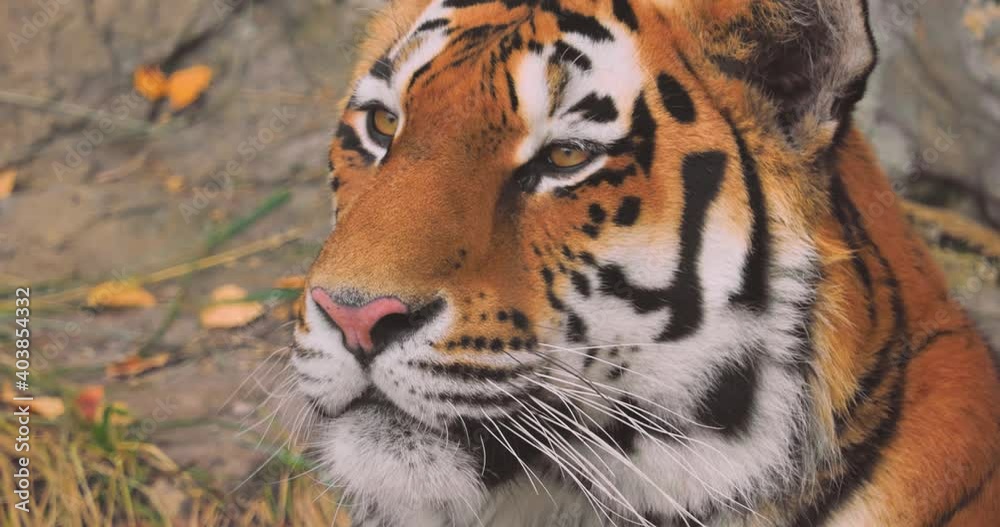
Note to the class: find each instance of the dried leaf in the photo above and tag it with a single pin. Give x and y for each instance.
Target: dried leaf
(185, 86)
(134, 365)
(150, 82)
(7, 180)
(48, 407)
(174, 184)
(90, 402)
(228, 293)
(217, 215)
(229, 316)
(290, 282)
(120, 295)
(45, 407)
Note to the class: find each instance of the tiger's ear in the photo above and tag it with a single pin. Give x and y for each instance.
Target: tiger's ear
(810, 58)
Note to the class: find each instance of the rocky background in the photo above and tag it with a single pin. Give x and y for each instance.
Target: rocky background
(109, 185)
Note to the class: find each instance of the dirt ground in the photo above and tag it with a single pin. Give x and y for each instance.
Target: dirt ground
(98, 170)
(111, 185)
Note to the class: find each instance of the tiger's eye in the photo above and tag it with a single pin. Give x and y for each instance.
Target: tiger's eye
(568, 157)
(384, 122)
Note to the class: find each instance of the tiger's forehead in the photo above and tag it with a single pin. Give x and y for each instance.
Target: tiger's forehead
(568, 71)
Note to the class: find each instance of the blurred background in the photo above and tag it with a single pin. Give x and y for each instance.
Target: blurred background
(163, 190)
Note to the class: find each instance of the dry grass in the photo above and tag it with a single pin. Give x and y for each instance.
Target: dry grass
(87, 475)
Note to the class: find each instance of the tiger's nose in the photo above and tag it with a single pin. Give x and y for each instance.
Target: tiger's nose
(356, 322)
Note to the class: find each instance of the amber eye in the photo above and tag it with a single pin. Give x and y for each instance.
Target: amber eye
(568, 157)
(382, 124)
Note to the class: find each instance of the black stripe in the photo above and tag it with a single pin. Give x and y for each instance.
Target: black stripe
(474, 399)
(702, 174)
(596, 108)
(418, 73)
(564, 53)
(499, 464)
(350, 141)
(549, 277)
(469, 371)
(613, 282)
(512, 91)
(628, 211)
(643, 135)
(519, 319)
(588, 26)
(576, 328)
(676, 99)
(623, 12)
(304, 353)
(591, 230)
(754, 291)
(596, 213)
(432, 24)
(581, 283)
(611, 176)
(967, 498)
(728, 403)
(382, 69)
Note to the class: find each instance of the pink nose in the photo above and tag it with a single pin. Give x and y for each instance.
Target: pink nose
(356, 323)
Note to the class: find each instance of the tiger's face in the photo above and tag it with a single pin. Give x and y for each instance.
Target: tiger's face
(546, 211)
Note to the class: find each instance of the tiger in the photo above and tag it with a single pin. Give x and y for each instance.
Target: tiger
(631, 262)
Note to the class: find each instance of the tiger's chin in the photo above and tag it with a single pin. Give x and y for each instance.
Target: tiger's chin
(394, 470)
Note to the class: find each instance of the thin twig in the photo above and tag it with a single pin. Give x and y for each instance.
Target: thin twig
(76, 110)
(178, 271)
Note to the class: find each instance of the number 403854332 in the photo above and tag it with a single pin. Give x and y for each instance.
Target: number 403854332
(22, 333)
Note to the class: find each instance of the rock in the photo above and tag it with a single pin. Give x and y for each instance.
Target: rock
(933, 107)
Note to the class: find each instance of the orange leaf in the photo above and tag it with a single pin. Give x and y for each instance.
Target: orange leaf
(290, 282)
(228, 293)
(90, 401)
(174, 184)
(134, 365)
(7, 180)
(150, 82)
(229, 316)
(120, 295)
(185, 86)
